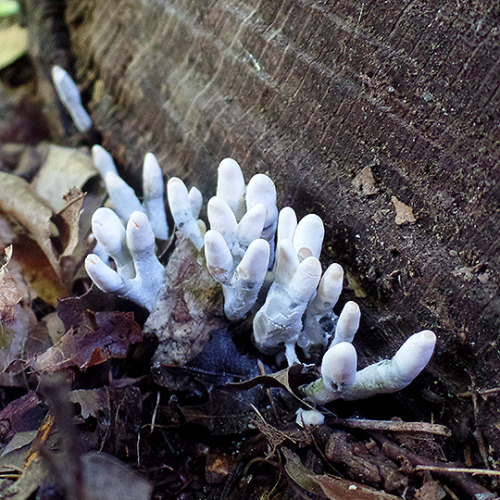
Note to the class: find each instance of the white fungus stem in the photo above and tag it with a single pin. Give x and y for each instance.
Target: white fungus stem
(391, 375)
(69, 95)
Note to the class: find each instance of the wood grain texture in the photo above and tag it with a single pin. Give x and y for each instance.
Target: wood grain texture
(312, 92)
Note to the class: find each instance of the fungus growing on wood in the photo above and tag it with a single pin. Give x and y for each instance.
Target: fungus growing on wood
(68, 93)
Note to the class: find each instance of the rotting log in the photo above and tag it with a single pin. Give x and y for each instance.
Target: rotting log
(313, 92)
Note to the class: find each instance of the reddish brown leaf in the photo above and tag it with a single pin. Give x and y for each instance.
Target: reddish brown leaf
(19, 416)
(99, 337)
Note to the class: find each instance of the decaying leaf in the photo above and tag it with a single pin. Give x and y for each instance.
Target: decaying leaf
(290, 378)
(99, 337)
(21, 415)
(63, 169)
(18, 339)
(57, 235)
(10, 294)
(18, 201)
(13, 44)
(327, 486)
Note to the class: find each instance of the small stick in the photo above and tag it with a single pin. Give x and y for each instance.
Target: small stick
(388, 425)
(458, 470)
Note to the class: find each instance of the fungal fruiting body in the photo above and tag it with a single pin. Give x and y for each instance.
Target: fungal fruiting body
(69, 95)
(139, 273)
(339, 378)
(239, 254)
(239, 244)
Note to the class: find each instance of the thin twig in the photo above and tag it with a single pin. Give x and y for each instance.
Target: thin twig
(457, 470)
(388, 425)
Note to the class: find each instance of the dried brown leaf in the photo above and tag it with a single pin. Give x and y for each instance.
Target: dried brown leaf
(327, 486)
(20, 202)
(63, 169)
(10, 294)
(99, 337)
(290, 378)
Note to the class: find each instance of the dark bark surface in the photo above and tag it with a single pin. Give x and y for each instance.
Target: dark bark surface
(312, 93)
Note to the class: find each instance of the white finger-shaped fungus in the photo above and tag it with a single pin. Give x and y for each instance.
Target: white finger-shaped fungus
(182, 211)
(261, 190)
(241, 285)
(69, 95)
(338, 373)
(103, 161)
(141, 284)
(222, 220)
(219, 258)
(110, 234)
(122, 197)
(308, 236)
(105, 278)
(348, 323)
(319, 312)
(279, 321)
(196, 200)
(231, 186)
(153, 191)
(391, 375)
(241, 294)
(148, 270)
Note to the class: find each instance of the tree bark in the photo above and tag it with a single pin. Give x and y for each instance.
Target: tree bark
(313, 93)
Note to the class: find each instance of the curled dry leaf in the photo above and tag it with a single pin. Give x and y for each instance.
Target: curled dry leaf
(63, 169)
(10, 294)
(290, 378)
(99, 337)
(328, 486)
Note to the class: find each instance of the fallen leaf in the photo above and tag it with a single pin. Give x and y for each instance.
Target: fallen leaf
(20, 202)
(404, 213)
(13, 44)
(63, 169)
(10, 294)
(23, 414)
(290, 378)
(329, 486)
(99, 337)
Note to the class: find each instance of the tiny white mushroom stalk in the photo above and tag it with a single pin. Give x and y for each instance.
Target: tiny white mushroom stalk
(69, 95)
(139, 273)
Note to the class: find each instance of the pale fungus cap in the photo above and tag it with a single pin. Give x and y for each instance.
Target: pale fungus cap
(103, 161)
(231, 186)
